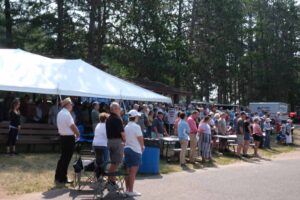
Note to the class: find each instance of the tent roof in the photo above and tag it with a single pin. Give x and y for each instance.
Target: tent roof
(22, 71)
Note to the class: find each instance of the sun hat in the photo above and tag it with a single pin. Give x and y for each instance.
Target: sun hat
(66, 101)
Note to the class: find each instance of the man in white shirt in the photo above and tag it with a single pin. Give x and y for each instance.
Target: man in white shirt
(67, 131)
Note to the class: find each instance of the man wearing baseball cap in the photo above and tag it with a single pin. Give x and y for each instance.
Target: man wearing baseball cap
(134, 147)
(67, 131)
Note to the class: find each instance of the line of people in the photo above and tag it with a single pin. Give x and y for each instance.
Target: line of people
(247, 127)
(112, 141)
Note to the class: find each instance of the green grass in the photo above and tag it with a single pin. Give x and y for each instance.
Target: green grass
(28, 173)
(228, 158)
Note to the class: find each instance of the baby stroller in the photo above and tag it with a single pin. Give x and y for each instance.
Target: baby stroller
(88, 173)
(84, 167)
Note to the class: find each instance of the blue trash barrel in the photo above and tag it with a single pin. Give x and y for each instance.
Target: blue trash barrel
(150, 158)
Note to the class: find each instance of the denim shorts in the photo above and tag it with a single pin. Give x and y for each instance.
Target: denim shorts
(247, 136)
(132, 159)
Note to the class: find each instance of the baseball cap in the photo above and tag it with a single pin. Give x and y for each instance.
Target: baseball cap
(134, 113)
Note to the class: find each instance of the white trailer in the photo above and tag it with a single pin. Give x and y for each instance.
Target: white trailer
(271, 107)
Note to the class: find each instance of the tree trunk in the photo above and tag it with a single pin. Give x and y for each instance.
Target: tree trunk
(91, 33)
(8, 24)
(60, 27)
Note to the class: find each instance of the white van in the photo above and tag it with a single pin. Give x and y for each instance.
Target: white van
(270, 107)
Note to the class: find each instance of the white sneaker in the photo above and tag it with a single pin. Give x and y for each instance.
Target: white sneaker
(133, 194)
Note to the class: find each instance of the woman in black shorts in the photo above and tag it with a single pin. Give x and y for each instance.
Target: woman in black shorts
(247, 135)
(14, 127)
(257, 134)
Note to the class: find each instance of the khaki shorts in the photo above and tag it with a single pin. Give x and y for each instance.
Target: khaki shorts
(116, 150)
(240, 139)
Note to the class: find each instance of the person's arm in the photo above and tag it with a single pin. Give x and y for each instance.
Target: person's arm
(241, 128)
(75, 130)
(123, 136)
(188, 130)
(249, 128)
(141, 141)
(165, 132)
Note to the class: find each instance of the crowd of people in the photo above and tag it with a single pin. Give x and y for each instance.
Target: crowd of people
(248, 127)
(119, 135)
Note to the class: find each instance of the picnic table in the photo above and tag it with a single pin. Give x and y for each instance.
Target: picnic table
(228, 137)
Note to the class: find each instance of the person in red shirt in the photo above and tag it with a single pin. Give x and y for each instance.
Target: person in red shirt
(193, 134)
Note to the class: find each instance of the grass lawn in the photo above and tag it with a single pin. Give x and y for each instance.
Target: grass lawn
(28, 173)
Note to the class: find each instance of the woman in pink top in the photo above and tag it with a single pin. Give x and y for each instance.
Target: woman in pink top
(257, 134)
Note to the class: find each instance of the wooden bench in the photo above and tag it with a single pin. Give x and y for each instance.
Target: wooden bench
(32, 134)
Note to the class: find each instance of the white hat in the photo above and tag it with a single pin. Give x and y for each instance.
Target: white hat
(134, 113)
(268, 120)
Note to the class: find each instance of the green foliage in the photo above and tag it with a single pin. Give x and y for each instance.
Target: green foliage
(247, 50)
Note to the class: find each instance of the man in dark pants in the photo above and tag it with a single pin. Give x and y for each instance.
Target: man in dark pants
(68, 131)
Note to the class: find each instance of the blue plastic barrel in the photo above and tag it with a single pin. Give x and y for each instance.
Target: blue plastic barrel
(150, 161)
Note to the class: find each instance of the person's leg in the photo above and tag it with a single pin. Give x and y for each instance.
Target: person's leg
(99, 154)
(257, 143)
(106, 154)
(267, 140)
(132, 174)
(9, 141)
(209, 156)
(204, 147)
(116, 155)
(246, 147)
(14, 140)
(193, 144)
(239, 149)
(240, 142)
(67, 149)
(59, 162)
(127, 180)
(183, 145)
(261, 142)
(113, 166)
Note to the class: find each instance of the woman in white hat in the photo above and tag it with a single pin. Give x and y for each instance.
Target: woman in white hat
(134, 147)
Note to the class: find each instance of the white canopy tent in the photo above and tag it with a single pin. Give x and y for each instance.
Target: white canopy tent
(22, 71)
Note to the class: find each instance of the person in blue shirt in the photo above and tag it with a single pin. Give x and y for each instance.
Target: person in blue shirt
(183, 135)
